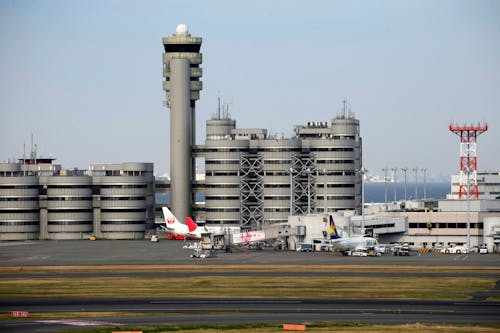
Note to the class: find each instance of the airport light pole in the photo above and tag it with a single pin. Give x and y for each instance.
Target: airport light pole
(424, 170)
(385, 186)
(394, 170)
(291, 191)
(362, 172)
(405, 169)
(324, 192)
(416, 183)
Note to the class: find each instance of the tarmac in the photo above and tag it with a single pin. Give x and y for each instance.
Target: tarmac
(169, 252)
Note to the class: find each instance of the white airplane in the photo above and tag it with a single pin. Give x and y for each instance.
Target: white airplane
(349, 243)
(190, 229)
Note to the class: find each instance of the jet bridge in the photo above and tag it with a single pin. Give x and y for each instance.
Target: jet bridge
(276, 232)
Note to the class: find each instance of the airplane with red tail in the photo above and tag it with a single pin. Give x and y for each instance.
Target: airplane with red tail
(188, 230)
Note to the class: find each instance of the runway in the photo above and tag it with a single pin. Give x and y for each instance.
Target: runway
(225, 311)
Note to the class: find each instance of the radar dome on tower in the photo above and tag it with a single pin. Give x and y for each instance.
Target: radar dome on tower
(182, 29)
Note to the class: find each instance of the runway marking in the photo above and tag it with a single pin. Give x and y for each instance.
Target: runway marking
(74, 322)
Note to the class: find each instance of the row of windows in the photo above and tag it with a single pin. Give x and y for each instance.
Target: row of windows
(122, 198)
(68, 198)
(20, 211)
(70, 210)
(218, 197)
(222, 162)
(334, 137)
(335, 197)
(223, 150)
(222, 185)
(235, 222)
(271, 173)
(88, 186)
(332, 149)
(19, 187)
(19, 199)
(121, 222)
(335, 161)
(284, 161)
(450, 225)
(221, 173)
(125, 186)
(277, 185)
(277, 161)
(278, 149)
(223, 210)
(320, 185)
(70, 223)
(337, 173)
(71, 186)
(387, 225)
(124, 210)
(15, 224)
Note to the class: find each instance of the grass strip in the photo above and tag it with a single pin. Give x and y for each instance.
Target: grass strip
(317, 327)
(251, 268)
(289, 286)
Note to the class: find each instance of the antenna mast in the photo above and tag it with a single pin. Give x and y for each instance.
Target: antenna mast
(468, 158)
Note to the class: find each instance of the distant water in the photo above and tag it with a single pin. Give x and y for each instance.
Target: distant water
(375, 192)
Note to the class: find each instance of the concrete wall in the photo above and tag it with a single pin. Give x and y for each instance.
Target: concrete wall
(116, 202)
(19, 205)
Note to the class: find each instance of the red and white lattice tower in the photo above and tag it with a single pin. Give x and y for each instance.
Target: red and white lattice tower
(468, 160)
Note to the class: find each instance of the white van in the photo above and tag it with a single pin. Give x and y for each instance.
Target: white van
(453, 248)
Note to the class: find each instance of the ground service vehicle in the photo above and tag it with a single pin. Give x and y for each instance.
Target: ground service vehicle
(402, 250)
(363, 251)
(457, 249)
(305, 247)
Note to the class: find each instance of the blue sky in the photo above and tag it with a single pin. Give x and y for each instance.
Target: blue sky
(85, 77)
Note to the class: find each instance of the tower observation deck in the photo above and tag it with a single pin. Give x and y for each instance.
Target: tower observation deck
(182, 85)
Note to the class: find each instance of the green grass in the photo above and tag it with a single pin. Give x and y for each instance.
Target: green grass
(289, 286)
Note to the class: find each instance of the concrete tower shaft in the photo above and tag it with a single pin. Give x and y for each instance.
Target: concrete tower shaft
(180, 139)
(182, 85)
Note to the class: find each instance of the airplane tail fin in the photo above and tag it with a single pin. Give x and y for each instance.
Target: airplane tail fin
(333, 230)
(192, 226)
(170, 219)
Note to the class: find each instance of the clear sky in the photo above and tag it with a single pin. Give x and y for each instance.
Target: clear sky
(85, 77)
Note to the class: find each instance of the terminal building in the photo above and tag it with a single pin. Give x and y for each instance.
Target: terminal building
(488, 184)
(431, 223)
(40, 200)
(252, 178)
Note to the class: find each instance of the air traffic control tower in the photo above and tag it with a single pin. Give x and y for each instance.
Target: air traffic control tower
(182, 85)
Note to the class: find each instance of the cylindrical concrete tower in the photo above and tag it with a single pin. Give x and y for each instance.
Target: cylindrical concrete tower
(182, 85)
